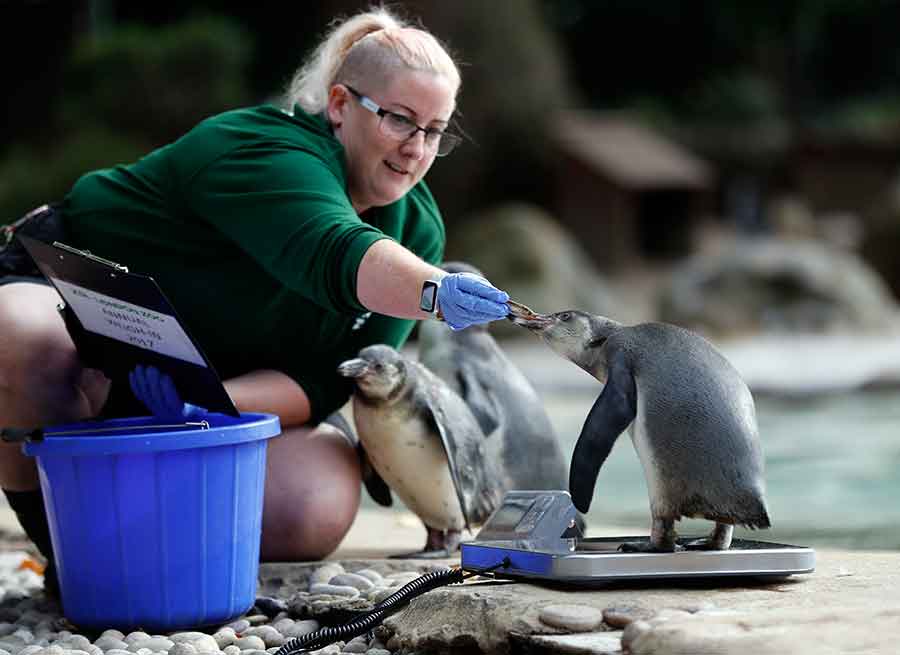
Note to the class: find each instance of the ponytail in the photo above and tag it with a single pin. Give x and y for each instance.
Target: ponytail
(367, 45)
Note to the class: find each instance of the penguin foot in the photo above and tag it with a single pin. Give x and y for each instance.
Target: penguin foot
(438, 545)
(647, 547)
(718, 539)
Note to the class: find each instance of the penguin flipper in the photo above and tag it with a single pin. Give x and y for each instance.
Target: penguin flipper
(372, 481)
(612, 412)
(481, 401)
(452, 437)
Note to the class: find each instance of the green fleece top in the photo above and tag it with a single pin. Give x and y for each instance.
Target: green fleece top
(246, 224)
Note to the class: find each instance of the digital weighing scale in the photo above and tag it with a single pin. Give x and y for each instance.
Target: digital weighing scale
(537, 532)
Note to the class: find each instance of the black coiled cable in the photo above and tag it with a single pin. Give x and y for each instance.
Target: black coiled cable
(368, 620)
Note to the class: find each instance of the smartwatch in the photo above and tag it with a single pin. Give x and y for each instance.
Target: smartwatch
(428, 299)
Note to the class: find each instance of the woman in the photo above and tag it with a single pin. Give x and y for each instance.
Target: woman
(287, 240)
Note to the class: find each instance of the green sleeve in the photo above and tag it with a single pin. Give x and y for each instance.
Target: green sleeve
(289, 211)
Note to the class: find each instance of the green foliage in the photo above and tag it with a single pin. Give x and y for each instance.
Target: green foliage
(872, 118)
(127, 91)
(157, 82)
(739, 98)
(30, 176)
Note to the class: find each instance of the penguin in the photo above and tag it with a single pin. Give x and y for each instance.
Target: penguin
(693, 417)
(473, 365)
(425, 443)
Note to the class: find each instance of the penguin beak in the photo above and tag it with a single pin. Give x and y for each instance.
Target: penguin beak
(353, 368)
(526, 318)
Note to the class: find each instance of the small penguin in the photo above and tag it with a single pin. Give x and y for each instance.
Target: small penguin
(694, 422)
(424, 442)
(474, 366)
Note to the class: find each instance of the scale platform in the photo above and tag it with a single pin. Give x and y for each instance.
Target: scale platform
(537, 531)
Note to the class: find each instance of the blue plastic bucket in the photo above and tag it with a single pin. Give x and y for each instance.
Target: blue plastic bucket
(155, 525)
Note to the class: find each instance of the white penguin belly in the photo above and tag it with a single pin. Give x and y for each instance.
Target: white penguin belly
(644, 449)
(411, 460)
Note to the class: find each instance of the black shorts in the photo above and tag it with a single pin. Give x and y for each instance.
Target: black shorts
(45, 224)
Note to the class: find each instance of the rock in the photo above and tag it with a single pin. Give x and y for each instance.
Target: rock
(355, 647)
(351, 580)
(224, 637)
(301, 628)
(257, 619)
(765, 285)
(267, 633)
(334, 590)
(574, 618)
(324, 573)
(108, 642)
(270, 606)
(371, 575)
(620, 616)
(594, 643)
(812, 631)
(115, 634)
(283, 625)
(250, 643)
(183, 649)
(152, 644)
(239, 626)
(131, 637)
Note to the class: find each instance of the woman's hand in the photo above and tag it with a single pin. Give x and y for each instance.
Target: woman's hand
(157, 391)
(466, 299)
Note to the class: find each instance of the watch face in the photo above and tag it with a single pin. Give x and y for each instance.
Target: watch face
(429, 296)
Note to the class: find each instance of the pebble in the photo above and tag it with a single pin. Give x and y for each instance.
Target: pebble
(577, 618)
(371, 575)
(224, 637)
(109, 642)
(301, 628)
(267, 633)
(250, 643)
(620, 616)
(325, 573)
(270, 606)
(231, 650)
(152, 644)
(239, 626)
(113, 633)
(352, 580)
(333, 590)
(183, 649)
(633, 632)
(199, 641)
(356, 647)
(378, 651)
(257, 619)
(283, 625)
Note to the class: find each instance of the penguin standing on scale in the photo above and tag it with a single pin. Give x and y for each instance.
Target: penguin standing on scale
(694, 422)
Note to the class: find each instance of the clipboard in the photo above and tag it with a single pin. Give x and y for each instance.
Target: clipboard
(118, 319)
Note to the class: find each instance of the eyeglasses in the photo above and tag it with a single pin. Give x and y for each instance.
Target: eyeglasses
(401, 128)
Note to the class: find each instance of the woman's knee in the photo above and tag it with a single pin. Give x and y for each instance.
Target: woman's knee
(41, 377)
(312, 493)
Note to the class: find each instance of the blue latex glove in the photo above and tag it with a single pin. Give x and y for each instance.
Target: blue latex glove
(467, 299)
(157, 391)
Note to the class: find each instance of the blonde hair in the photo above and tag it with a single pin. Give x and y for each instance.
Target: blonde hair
(370, 45)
